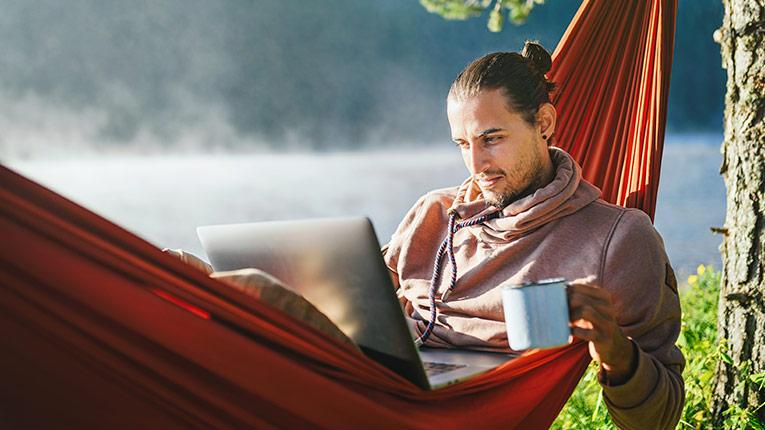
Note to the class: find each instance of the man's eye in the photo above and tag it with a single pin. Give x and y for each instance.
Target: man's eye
(461, 144)
(491, 139)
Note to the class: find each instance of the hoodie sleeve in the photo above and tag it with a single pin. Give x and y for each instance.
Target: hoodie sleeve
(637, 272)
(392, 250)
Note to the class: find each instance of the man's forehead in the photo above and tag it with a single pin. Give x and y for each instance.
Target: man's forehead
(476, 121)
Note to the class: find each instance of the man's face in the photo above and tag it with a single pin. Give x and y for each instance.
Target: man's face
(505, 154)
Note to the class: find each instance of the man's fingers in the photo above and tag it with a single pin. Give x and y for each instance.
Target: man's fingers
(591, 315)
(589, 335)
(589, 290)
(576, 301)
(587, 280)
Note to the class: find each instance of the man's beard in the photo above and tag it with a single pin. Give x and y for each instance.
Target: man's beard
(533, 181)
(501, 200)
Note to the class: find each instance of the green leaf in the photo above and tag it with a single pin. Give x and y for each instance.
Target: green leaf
(519, 13)
(758, 379)
(597, 406)
(496, 18)
(519, 10)
(754, 422)
(454, 9)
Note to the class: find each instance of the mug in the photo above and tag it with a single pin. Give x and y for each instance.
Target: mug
(536, 314)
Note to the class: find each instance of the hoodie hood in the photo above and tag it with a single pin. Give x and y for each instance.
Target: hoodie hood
(566, 194)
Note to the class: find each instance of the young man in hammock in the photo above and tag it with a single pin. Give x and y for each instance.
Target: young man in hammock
(535, 218)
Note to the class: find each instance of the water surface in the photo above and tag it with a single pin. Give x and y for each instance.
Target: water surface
(164, 199)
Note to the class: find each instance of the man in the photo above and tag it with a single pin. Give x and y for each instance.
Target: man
(537, 218)
(529, 216)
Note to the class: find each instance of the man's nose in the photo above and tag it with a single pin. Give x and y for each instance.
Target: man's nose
(478, 158)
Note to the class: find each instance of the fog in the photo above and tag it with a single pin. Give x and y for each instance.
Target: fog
(164, 199)
(168, 76)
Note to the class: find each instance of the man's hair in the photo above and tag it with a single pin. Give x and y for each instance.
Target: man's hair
(520, 75)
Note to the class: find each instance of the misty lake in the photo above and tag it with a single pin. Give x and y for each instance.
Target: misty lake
(164, 198)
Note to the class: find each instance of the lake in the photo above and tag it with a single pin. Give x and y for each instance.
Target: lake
(164, 198)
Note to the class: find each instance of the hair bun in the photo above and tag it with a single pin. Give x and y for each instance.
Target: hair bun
(538, 56)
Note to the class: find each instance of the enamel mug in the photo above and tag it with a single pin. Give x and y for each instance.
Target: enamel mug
(536, 314)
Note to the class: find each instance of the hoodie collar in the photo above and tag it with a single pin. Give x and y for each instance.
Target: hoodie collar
(566, 194)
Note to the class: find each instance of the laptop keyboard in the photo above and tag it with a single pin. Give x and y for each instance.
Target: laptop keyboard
(432, 368)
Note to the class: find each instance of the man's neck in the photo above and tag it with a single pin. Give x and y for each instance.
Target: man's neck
(548, 172)
(544, 178)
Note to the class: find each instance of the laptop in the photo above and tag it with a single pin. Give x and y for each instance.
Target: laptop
(336, 264)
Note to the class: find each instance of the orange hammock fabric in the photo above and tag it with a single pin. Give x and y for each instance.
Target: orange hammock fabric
(98, 328)
(612, 67)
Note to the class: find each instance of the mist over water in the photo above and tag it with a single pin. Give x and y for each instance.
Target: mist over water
(94, 76)
(167, 76)
(164, 199)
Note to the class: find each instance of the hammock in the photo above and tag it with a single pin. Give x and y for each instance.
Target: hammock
(98, 328)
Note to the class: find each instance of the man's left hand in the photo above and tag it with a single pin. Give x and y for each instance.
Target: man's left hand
(593, 319)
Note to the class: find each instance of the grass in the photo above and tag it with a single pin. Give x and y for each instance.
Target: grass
(586, 409)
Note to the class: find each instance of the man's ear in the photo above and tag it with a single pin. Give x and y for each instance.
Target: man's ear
(546, 119)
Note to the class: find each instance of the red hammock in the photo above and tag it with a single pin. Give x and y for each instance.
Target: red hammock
(89, 338)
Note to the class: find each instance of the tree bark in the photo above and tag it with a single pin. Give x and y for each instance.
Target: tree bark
(741, 319)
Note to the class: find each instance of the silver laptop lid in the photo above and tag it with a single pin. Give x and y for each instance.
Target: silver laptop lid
(336, 265)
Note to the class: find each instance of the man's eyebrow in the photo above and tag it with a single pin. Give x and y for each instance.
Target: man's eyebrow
(490, 131)
(483, 133)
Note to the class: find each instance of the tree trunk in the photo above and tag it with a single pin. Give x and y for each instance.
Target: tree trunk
(742, 300)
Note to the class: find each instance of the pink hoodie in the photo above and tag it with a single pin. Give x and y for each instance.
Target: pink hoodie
(562, 230)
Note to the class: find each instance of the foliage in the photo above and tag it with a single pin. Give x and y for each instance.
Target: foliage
(736, 416)
(456, 9)
(587, 410)
(517, 10)
(698, 342)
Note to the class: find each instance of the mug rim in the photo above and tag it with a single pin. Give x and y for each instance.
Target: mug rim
(539, 283)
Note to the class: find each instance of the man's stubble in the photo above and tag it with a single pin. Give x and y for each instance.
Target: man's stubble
(531, 180)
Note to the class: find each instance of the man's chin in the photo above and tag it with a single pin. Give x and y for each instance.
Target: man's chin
(498, 200)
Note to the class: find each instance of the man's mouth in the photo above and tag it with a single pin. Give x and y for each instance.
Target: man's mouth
(488, 181)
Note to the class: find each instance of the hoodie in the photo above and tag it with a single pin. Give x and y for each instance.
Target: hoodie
(561, 230)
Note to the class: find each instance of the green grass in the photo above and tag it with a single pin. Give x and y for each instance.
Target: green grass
(698, 300)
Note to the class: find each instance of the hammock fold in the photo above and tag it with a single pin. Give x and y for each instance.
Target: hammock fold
(99, 328)
(612, 67)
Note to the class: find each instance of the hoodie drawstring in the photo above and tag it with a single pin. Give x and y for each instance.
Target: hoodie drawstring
(447, 246)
